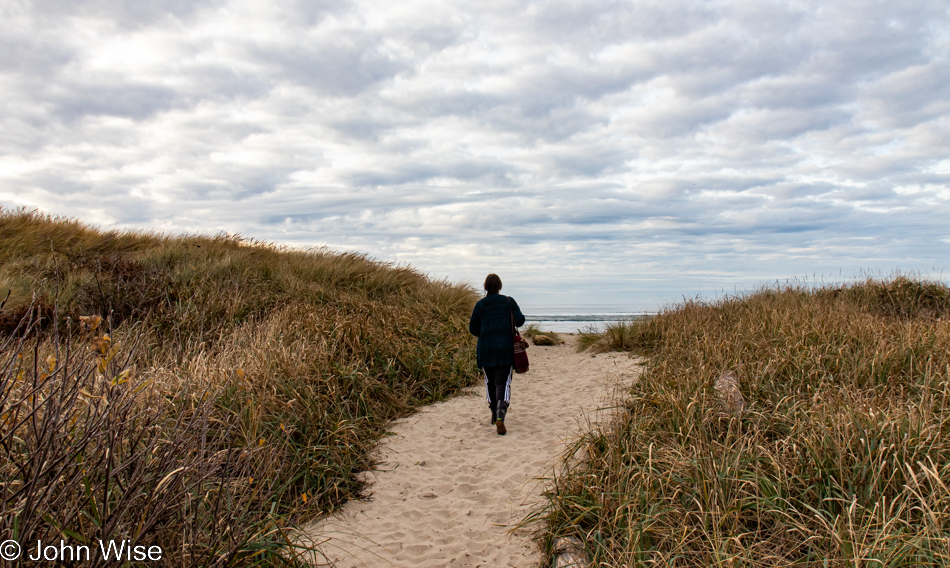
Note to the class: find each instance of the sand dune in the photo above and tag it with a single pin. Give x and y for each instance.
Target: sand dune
(449, 491)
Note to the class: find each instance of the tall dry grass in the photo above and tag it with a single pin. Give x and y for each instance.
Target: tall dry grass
(842, 457)
(232, 390)
(627, 335)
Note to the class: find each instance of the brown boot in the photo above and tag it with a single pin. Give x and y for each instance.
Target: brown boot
(500, 427)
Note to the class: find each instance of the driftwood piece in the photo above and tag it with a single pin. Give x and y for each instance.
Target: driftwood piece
(727, 387)
(569, 553)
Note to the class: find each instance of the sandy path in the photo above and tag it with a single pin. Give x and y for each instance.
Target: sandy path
(448, 490)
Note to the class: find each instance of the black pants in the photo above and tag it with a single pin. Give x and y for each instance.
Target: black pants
(498, 389)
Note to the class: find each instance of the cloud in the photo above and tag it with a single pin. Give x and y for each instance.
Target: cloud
(633, 149)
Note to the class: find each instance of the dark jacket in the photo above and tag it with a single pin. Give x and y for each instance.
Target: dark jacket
(491, 324)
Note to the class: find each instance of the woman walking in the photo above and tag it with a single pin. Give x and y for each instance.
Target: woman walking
(493, 321)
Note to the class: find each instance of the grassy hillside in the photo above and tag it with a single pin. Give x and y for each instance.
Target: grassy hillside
(231, 389)
(841, 458)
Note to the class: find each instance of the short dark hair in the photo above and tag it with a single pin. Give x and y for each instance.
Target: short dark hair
(492, 283)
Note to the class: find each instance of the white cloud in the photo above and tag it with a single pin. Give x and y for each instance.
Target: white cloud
(633, 150)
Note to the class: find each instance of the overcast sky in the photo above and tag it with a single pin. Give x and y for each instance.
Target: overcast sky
(590, 152)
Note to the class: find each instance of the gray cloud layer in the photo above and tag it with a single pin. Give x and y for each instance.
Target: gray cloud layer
(628, 151)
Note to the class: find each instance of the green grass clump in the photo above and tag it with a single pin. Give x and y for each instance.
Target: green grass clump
(842, 457)
(232, 390)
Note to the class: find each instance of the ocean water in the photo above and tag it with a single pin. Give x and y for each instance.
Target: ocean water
(571, 319)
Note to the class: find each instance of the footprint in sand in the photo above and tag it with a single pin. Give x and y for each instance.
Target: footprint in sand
(463, 508)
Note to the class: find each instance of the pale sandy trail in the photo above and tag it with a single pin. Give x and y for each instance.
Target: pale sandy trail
(448, 490)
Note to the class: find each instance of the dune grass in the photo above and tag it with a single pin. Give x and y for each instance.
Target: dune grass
(618, 336)
(842, 457)
(232, 389)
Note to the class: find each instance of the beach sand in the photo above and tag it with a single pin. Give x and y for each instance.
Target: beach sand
(448, 491)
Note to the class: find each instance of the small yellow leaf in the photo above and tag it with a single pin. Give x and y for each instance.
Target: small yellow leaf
(89, 324)
(304, 497)
(239, 372)
(101, 345)
(260, 442)
(51, 362)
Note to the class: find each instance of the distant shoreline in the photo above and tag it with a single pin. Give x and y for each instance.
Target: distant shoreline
(572, 323)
